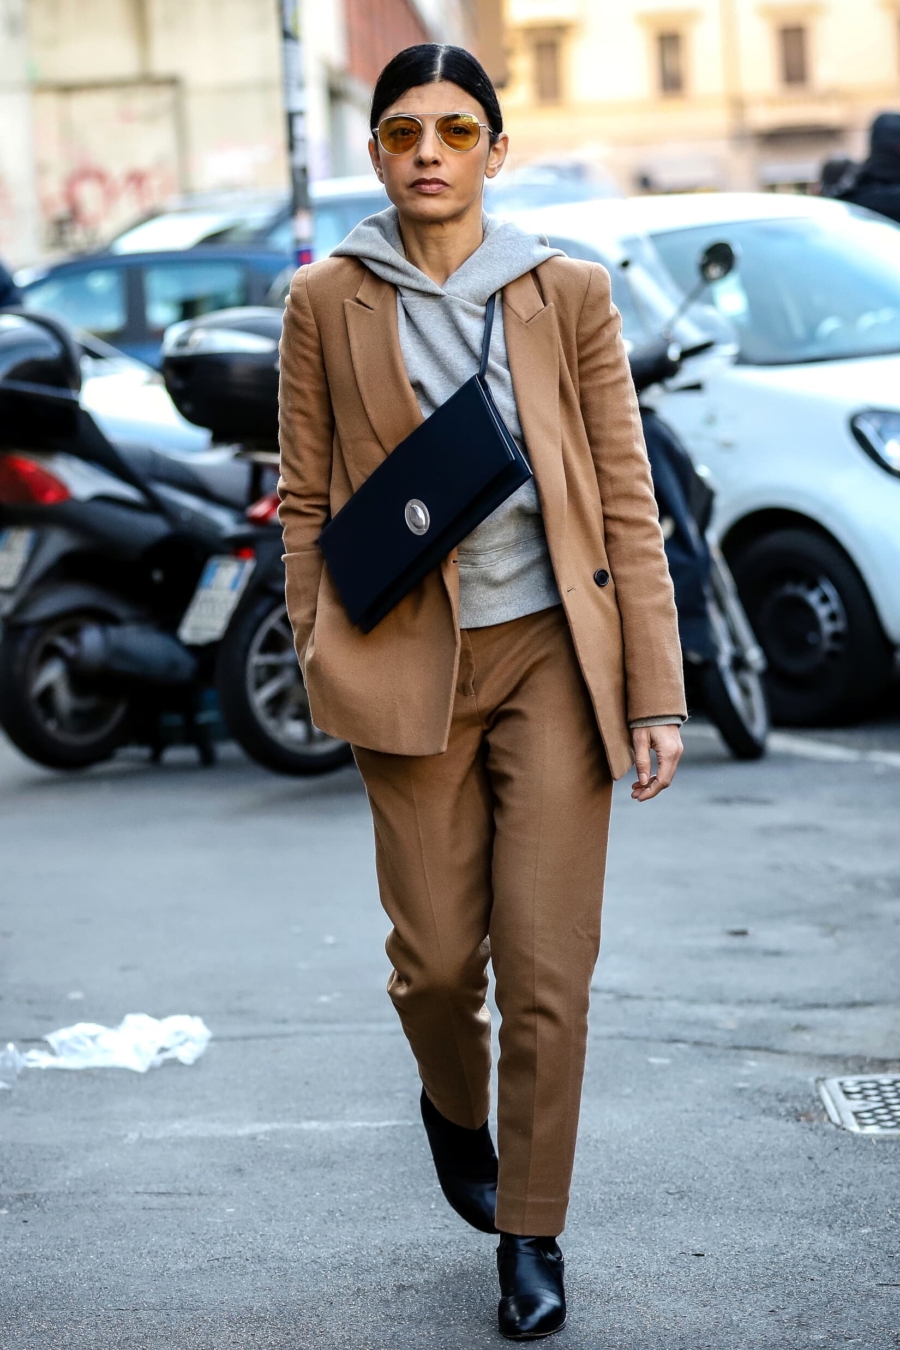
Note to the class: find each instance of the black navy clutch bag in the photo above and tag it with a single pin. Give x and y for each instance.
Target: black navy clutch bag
(430, 492)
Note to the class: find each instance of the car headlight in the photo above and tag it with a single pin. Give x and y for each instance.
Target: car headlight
(878, 432)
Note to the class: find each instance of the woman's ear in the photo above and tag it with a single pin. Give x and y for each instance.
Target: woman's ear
(375, 157)
(497, 156)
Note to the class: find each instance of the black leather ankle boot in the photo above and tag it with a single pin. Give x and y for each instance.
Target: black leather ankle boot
(466, 1166)
(532, 1296)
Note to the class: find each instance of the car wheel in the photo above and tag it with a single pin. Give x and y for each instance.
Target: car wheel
(814, 619)
(262, 697)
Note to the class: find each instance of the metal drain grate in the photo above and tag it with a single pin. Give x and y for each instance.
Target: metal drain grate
(867, 1104)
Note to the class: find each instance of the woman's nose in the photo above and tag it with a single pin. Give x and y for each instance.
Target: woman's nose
(428, 150)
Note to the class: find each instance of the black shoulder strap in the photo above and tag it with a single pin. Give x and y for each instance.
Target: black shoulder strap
(488, 327)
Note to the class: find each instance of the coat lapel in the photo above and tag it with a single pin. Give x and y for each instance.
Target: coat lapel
(532, 345)
(381, 377)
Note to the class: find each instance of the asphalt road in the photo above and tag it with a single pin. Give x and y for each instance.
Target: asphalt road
(278, 1193)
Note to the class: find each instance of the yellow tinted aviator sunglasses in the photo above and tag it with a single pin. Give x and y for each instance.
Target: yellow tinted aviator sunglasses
(401, 132)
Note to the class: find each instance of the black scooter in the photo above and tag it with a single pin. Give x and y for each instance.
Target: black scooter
(221, 371)
(723, 662)
(133, 586)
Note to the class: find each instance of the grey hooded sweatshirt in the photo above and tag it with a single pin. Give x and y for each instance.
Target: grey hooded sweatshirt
(504, 565)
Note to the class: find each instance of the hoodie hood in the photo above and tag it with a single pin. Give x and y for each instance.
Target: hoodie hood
(884, 155)
(505, 254)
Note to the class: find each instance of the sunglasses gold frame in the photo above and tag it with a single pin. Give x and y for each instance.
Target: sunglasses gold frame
(439, 117)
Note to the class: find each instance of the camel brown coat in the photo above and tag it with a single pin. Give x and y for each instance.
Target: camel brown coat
(346, 401)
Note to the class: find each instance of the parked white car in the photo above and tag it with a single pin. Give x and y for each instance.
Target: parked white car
(130, 403)
(799, 423)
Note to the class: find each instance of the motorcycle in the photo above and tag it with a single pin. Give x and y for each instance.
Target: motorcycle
(138, 593)
(723, 662)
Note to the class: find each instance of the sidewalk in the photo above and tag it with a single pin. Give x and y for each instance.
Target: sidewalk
(279, 1192)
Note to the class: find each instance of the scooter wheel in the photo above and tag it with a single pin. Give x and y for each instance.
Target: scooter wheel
(262, 698)
(54, 717)
(739, 716)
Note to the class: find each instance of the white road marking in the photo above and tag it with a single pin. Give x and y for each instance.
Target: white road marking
(211, 1129)
(804, 747)
(784, 743)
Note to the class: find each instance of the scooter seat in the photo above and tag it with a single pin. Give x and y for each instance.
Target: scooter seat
(215, 475)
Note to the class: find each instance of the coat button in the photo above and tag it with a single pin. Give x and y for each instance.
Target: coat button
(601, 576)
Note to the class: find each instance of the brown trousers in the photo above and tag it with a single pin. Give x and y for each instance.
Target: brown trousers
(496, 850)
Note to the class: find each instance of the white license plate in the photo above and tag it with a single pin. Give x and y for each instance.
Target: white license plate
(214, 601)
(15, 550)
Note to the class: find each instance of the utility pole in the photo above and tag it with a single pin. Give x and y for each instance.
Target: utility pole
(294, 83)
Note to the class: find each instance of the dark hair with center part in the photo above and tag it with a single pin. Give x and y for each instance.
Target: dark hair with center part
(426, 64)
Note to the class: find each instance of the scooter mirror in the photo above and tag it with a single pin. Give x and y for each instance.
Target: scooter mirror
(40, 378)
(716, 261)
(39, 350)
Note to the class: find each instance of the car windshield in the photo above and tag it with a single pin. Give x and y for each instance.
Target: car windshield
(805, 288)
(187, 228)
(525, 194)
(644, 295)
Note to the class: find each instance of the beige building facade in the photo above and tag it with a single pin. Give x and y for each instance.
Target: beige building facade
(675, 95)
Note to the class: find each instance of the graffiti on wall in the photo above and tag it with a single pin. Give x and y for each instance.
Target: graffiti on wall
(108, 155)
(92, 199)
(105, 155)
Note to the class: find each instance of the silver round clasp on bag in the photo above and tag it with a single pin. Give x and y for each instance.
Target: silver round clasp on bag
(417, 516)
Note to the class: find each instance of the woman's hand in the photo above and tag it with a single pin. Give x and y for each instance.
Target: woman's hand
(666, 742)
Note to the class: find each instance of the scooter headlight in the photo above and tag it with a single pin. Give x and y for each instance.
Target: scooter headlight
(878, 432)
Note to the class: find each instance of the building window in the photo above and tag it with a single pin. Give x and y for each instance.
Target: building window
(547, 56)
(670, 62)
(794, 64)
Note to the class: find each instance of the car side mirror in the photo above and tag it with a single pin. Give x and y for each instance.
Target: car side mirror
(716, 261)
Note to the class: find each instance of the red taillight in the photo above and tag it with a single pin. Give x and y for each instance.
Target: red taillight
(243, 554)
(265, 510)
(24, 482)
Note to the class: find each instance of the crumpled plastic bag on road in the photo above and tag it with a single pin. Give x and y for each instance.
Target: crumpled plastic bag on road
(139, 1042)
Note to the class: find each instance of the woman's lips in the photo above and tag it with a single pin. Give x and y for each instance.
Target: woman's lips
(429, 185)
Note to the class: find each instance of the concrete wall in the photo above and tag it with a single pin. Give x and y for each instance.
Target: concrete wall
(135, 100)
(19, 224)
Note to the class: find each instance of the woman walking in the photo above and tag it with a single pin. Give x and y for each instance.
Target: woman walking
(492, 708)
